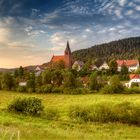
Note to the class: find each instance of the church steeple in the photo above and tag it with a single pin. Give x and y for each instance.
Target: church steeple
(67, 50)
(68, 56)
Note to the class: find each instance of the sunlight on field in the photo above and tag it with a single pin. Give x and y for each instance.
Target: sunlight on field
(16, 127)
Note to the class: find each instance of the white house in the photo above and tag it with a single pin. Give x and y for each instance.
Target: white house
(132, 65)
(104, 66)
(22, 84)
(78, 65)
(134, 78)
(38, 70)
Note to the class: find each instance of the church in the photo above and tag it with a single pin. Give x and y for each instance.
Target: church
(66, 58)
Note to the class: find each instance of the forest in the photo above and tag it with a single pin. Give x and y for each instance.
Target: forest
(128, 48)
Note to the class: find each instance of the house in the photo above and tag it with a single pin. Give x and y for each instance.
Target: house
(38, 70)
(66, 58)
(132, 65)
(22, 84)
(134, 78)
(104, 66)
(93, 67)
(78, 65)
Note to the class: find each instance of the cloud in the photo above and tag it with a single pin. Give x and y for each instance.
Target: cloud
(20, 45)
(122, 2)
(4, 35)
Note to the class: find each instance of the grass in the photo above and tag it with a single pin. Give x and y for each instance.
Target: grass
(19, 127)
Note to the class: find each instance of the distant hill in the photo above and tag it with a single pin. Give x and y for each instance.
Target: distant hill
(26, 68)
(128, 48)
(7, 70)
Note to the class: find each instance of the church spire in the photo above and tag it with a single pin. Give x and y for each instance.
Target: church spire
(67, 50)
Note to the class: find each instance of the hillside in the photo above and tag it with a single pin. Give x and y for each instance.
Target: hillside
(128, 48)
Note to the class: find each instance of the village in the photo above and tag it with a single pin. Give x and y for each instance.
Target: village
(131, 67)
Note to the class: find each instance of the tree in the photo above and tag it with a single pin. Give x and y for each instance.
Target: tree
(47, 76)
(124, 69)
(116, 84)
(20, 71)
(69, 80)
(31, 82)
(39, 81)
(57, 77)
(93, 84)
(16, 73)
(59, 65)
(7, 81)
(113, 66)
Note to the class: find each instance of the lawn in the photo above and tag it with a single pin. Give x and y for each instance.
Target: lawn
(19, 127)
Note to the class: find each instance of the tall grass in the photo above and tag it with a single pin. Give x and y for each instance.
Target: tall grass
(125, 112)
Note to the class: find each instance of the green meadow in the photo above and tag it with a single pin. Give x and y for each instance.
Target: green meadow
(20, 127)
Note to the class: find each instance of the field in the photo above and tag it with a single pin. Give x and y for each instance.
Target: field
(19, 127)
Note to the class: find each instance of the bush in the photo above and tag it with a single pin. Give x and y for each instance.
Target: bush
(124, 113)
(47, 88)
(38, 90)
(114, 86)
(134, 85)
(28, 106)
(134, 90)
(51, 114)
(21, 89)
(79, 113)
(57, 90)
(30, 90)
(97, 113)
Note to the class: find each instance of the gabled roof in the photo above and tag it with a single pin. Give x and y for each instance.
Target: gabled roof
(127, 62)
(93, 66)
(58, 58)
(134, 76)
(80, 63)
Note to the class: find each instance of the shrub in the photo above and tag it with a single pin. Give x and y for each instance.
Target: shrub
(114, 86)
(134, 85)
(124, 113)
(28, 106)
(79, 113)
(57, 90)
(38, 90)
(21, 89)
(30, 90)
(107, 89)
(97, 113)
(47, 88)
(133, 90)
(52, 114)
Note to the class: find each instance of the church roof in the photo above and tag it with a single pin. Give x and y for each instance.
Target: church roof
(58, 58)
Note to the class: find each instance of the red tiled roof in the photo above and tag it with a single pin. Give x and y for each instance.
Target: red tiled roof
(58, 58)
(127, 62)
(134, 76)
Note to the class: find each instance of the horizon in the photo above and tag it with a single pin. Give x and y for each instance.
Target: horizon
(32, 31)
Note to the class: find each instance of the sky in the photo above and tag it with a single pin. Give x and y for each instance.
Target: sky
(31, 31)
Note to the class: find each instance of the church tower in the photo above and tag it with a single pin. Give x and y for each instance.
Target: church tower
(68, 56)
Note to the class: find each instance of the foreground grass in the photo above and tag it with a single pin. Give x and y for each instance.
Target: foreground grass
(17, 127)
